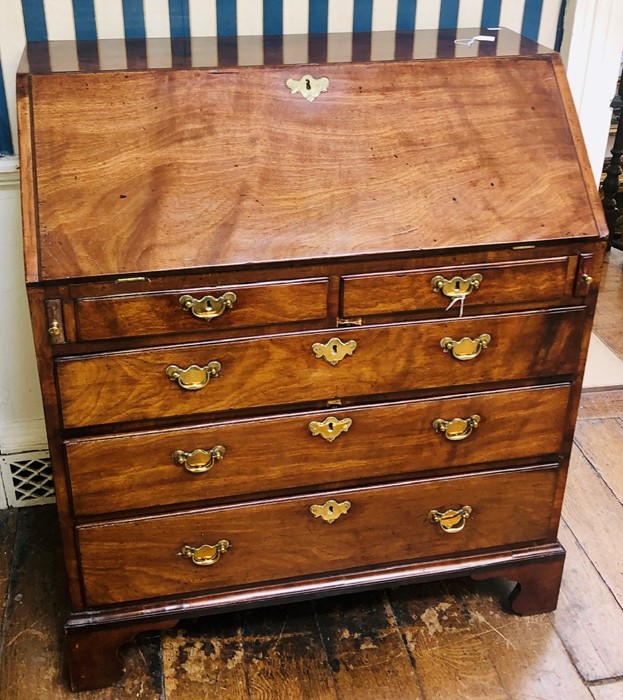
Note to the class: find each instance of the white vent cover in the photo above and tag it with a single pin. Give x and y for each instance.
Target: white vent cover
(27, 479)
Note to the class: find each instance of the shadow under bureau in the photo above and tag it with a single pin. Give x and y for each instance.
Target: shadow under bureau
(307, 321)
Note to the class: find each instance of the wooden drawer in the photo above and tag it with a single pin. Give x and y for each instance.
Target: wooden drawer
(162, 313)
(111, 474)
(281, 539)
(515, 282)
(130, 386)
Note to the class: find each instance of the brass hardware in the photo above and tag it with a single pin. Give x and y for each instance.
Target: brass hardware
(348, 322)
(330, 511)
(523, 247)
(334, 350)
(458, 428)
(193, 377)
(451, 520)
(55, 329)
(123, 280)
(198, 461)
(207, 554)
(330, 428)
(334, 402)
(466, 348)
(457, 286)
(209, 307)
(309, 87)
(587, 279)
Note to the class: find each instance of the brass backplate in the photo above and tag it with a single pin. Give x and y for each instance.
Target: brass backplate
(457, 428)
(331, 510)
(456, 286)
(466, 348)
(330, 428)
(451, 521)
(208, 307)
(199, 461)
(334, 350)
(194, 377)
(308, 86)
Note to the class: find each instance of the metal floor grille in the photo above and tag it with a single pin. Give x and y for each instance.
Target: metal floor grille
(27, 478)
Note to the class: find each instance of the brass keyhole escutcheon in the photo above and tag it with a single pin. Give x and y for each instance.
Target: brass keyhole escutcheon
(334, 350)
(308, 86)
(330, 428)
(331, 510)
(456, 286)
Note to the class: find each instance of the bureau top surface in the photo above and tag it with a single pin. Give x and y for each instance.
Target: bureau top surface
(139, 163)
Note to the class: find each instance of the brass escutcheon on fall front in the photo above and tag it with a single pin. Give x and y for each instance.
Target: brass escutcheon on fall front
(209, 307)
(308, 86)
(458, 428)
(451, 520)
(194, 377)
(457, 286)
(330, 428)
(330, 511)
(466, 348)
(334, 350)
(206, 554)
(198, 461)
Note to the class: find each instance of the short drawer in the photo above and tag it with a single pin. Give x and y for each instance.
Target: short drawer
(245, 457)
(515, 282)
(303, 367)
(273, 540)
(196, 310)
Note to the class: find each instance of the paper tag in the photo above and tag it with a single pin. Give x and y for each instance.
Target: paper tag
(470, 42)
(460, 298)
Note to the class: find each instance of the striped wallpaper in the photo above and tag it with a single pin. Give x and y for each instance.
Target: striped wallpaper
(40, 20)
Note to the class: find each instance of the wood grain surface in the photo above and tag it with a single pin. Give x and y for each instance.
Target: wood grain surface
(266, 158)
(109, 474)
(282, 539)
(283, 369)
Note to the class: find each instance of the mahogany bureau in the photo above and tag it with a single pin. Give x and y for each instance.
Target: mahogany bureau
(303, 328)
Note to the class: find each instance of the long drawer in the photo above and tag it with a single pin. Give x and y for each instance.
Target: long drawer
(228, 459)
(283, 539)
(302, 367)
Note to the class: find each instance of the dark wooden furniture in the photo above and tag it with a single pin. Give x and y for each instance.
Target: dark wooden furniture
(294, 347)
(612, 182)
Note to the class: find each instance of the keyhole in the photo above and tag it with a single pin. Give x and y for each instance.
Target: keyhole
(330, 510)
(334, 348)
(457, 285)
(308, 84)
(331, 426)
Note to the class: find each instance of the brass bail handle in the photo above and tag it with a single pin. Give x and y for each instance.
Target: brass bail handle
(198, 461)
(206, 554)
(208, 307)
(457, 428)
(466, 348)
(450, 521)
(194, 377)
(456, 286)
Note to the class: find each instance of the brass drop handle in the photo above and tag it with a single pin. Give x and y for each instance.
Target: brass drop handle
(198, 461)
(207, 554)
(451, 521)
(457, 428)
(466, 348)
(331, 510)
(194, 377)
(55, 329)
(587, 279)
(209, 307)
(334, 350)
(330, 428)
(457, 286)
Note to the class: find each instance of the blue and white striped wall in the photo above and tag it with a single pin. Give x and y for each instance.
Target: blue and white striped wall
(37, 20)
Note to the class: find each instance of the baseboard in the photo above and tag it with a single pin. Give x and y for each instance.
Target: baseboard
(22, 436)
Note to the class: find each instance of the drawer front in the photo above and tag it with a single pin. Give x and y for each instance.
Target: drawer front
(495, 283)
(274, 540)
(284, 369)
(142, 470)
(162, 313)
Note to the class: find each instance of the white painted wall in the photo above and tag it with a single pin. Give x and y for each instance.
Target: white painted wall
(21, 414)
(592, 51)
